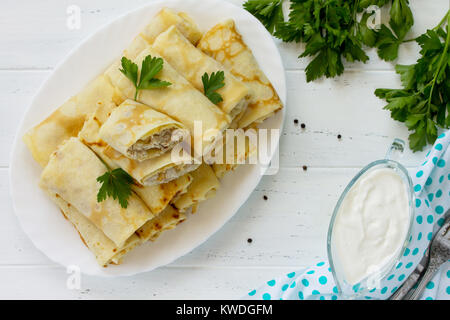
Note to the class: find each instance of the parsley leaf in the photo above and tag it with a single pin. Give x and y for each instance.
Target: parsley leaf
(151, 66)
(115, 184)
(269, 12)
(213, 83)
(130, 70)
(424, 102)
(401, 17)
(387, 44)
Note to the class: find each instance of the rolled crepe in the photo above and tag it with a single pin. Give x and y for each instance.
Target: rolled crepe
(139, 132)
(72, 172)
(104, 250)
(192, 63)
(166, 220)
(203, 187)
(167, 18)
(157, 197)
(224, 43)
(160, 23)
(158, 170)
(181, 101)
(68, 120)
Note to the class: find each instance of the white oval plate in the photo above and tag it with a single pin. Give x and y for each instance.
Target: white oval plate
(41, 219)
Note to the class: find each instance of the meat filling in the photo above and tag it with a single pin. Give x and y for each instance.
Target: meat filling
(160, 142)
(170, 174)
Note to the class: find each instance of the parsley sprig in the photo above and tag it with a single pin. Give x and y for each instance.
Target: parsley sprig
(116, 184)
(334, 30)
(212, 83)
(151, 66)
(424, 102)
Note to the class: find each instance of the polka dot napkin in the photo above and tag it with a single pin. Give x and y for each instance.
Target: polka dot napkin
(432, 189)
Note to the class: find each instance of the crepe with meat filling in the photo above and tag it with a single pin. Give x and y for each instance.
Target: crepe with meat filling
(150, 172)
(72, 172)
(224, 43)
(192, 64)
(140, 132)
(181, 101)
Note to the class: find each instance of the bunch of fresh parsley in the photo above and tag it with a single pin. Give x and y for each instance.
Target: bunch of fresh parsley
(424, 102)
(334, 30)
(151, 66)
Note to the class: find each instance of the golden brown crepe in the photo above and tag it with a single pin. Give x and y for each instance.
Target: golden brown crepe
(160, 23)
(167, 18)
(224, 43)
(68, 119)
(140, 132)
(158, 170)
(180, 100)
(104, 250)
(166, 220)
(192, 64)
(71, 173)
(203, 187)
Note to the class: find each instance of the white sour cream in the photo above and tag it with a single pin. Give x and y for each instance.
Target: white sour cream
(371, 224)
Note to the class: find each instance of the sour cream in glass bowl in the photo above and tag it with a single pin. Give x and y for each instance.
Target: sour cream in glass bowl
(371, 225)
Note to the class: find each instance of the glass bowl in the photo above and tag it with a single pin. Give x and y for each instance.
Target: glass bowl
(353, 291)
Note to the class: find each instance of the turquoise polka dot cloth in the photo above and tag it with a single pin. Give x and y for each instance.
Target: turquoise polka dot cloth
(432, 189)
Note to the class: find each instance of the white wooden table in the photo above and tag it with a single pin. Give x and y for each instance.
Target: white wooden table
(288, 229)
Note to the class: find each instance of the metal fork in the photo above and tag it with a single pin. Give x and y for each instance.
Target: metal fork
(439, 254)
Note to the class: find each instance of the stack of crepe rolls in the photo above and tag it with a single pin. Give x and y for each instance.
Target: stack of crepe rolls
(67, 121)
(101, 129)
(192, 64)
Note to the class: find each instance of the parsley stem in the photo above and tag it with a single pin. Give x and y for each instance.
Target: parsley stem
(135, 94)
(444, 54)
(435, 28)
(442, 21)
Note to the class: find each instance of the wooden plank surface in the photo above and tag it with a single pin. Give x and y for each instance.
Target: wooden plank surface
(34, 38)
